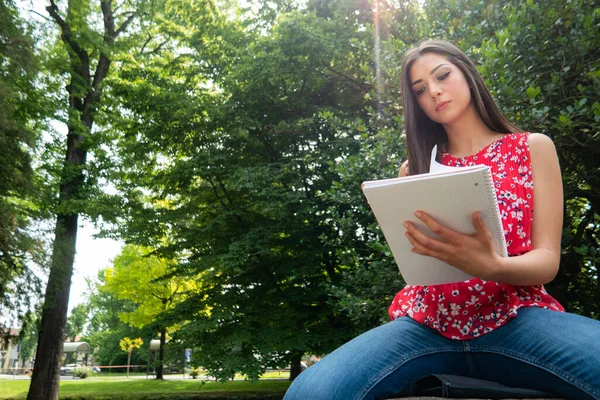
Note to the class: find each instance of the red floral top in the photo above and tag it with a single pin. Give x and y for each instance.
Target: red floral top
(466, 310)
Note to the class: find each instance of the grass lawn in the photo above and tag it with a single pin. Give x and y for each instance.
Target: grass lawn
(125, 389)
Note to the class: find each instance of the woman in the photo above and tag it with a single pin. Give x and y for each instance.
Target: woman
(501, 326)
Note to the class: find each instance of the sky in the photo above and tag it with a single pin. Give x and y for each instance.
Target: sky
(92, 255)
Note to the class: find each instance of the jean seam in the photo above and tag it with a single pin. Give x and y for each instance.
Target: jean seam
(393, 367)
(469, 357)
(541, 364)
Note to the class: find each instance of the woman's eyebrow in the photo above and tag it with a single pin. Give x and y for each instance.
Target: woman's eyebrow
(431, 73)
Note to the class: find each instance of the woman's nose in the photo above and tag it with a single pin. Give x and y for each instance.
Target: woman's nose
(435, 90)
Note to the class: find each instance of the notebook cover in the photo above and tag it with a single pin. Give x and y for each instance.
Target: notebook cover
(450, 198)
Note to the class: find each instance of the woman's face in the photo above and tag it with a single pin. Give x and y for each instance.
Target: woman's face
(440, 88)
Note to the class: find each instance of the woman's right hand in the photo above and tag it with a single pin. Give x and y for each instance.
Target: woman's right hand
(403, 169)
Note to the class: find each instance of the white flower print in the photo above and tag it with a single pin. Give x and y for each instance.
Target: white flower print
(443, 310)
(455, 308)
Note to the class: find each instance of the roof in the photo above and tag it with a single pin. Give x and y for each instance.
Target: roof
(10, 332)
(72, 347)
(155, 344)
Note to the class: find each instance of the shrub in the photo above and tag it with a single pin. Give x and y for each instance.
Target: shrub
(81, 372)
(194, 372)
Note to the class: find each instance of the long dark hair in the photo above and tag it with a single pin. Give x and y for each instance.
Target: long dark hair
(421, 132)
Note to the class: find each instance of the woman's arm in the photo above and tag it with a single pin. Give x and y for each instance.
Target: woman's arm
(475, 255)
(540, 265)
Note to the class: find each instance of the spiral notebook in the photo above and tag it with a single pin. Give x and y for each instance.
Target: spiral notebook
(450, 195)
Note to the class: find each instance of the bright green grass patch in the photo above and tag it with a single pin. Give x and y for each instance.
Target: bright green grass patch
(146, 389)
(275, 375)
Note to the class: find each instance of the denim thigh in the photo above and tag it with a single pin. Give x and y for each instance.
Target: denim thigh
(541, 349)
(379, 363)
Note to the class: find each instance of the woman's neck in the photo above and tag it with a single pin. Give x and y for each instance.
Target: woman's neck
(468, 135)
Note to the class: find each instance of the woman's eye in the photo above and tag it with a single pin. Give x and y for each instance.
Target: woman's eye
(420, 91)
(443, 76)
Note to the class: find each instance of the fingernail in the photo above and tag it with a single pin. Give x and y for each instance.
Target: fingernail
(406, 225)
(419, 214)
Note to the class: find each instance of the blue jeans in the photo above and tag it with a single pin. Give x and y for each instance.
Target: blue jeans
(540, 349)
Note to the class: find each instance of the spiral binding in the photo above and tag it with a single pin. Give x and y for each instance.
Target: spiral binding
(500, 241)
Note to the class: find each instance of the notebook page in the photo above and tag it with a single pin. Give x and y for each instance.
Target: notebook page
(436, 167)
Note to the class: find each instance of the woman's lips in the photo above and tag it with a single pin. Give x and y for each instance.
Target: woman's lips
(442, 105)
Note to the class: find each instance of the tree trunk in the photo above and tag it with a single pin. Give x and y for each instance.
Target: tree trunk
(161, 353)
(84, 91)
(295, 366)
(46, 371)
(128, 362)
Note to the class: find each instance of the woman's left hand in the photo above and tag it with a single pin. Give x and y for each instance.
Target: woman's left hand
(473, 254)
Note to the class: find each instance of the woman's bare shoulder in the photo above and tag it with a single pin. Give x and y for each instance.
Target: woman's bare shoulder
(540, 142)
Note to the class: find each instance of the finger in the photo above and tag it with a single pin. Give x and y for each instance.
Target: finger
(419, 248)
(425, 241)
(481, 231)
(435, 226)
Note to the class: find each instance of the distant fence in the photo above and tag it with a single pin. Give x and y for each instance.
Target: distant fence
(120, 369)
(105, 368)
(14, 371)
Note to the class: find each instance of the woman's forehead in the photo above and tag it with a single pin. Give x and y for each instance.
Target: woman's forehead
(429, 60)
(425, 64)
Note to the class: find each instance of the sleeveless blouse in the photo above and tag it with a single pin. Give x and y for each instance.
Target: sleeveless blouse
(469, 309)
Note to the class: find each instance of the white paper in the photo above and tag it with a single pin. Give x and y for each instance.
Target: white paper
(436, 167)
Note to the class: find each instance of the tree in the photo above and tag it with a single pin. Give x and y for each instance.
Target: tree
(235, 175)
(76, 322)
(147, 281)
(105, 329)
(89, 55)
(28, 339)
(128, 346)
(21, 115)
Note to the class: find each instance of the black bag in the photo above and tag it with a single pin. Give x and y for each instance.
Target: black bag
(454, 386)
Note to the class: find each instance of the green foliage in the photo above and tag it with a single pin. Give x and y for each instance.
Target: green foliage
(20, 119)
(240, 186)
(105, 329)
(147, 281)
(194, 372)
(248, 151)
(76, 321)
(28, 338)
(237, 140)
